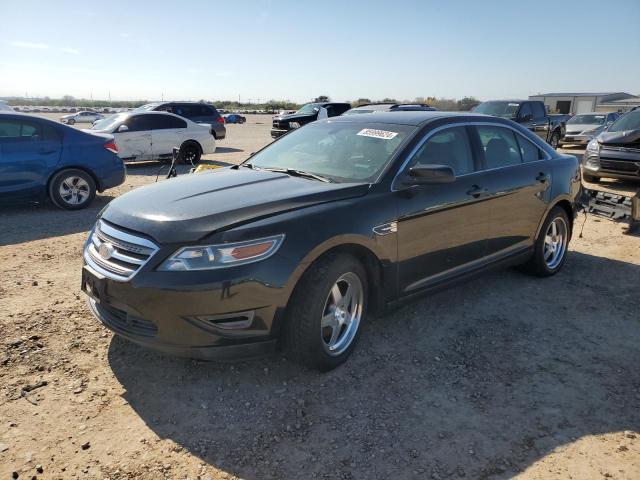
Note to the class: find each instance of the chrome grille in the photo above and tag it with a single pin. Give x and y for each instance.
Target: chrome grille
(117, 254)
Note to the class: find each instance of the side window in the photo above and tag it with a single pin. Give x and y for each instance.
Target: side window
(185, 110)
(161, 122)
(448, 147)
(500, 146)
(204, 111)
(538, 110)
(529, 152)
(17, 131)
(525, 111)
(140, 123)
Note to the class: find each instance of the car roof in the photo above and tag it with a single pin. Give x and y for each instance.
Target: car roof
(407, 117)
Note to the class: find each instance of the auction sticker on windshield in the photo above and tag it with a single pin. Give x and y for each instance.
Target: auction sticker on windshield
(370, 132)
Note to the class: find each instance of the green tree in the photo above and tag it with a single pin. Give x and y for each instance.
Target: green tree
(467, 103)
(322, 98)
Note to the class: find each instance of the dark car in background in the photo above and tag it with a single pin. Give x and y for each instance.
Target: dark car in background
(615, 153)
(335, 220)
(531, 114)
(42, 159)
(583, 127)
(234, 118)
(390, 107)
(308, 113)
(197, 112)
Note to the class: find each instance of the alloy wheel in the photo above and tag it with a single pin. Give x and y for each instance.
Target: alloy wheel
(555, 243)
(74, 190)
(342, 313)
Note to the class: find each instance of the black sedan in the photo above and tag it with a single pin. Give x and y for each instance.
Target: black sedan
(296, 246)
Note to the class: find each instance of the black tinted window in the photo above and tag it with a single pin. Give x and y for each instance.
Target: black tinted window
(186, 110)
(538, 110)
(140, 123)
(160, 122)
(525, 111)
(18, 130)
(528, 151)
(449, 147)
(500, 146)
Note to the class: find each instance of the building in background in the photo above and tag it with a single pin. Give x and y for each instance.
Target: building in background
(573, 103)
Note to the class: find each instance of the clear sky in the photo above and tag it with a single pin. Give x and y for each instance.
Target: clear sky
(288, 49)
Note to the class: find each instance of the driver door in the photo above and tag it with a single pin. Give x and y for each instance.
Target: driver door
(442, 227)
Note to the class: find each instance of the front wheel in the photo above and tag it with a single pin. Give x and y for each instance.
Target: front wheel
(550, 249)
(554, 141)
(326, 311)
(71, 121)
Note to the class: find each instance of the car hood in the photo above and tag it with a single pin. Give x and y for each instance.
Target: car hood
(190, 207)
(627, 136)
(582, 127)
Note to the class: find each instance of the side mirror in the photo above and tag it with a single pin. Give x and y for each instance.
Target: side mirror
(430, 174)
(123, 128)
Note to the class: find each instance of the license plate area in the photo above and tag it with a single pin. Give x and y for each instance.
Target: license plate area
(93, 284)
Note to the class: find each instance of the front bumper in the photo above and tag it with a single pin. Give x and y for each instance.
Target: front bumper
(278, 132)
(225, 314)
(569, 139)
(612, 164)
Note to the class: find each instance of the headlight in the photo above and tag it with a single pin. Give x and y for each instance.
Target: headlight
(208, 257)
(294, 125)
(593, 145)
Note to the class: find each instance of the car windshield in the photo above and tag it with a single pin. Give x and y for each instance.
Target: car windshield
(343, 152)
(309, 109)
(498, 109)
(587, 120)
(109, 122)
(630, 121)
(146, 108)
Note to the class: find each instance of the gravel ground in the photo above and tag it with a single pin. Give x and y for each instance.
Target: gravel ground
(505, 376)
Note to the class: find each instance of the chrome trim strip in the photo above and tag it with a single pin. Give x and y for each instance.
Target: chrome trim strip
(385, 228)
(463, 124)
(126, 237)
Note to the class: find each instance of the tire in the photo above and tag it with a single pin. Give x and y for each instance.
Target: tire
(80, 186)
(71, 121)
(554, 141)
(190, 153)
(590, 178)
(314, 313)
(545, 262)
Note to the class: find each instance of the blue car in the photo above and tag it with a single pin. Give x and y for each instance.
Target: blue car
(234, 118)
(42, 159)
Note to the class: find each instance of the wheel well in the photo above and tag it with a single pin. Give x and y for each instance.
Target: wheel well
(566, 206)
(372, 266)
(73, 167)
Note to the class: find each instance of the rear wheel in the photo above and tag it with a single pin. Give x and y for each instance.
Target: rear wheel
(72, 189)
(326, 311)
(550, 250)
(190, 153)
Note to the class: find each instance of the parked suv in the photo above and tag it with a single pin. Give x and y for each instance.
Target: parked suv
(197, 112)
(298, 244)
(615, 152)
(309, 113)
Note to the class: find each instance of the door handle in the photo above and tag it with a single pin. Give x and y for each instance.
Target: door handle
(477, 191)
(542, 177)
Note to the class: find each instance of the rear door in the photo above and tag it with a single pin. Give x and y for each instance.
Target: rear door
(442, 228)
(29, 152)
(167, 132)
(136, 142)
(519, 186)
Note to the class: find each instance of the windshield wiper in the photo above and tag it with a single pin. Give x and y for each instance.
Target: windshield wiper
(300, 173)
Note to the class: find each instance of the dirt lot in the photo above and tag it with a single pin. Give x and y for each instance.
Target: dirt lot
(507, 376)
